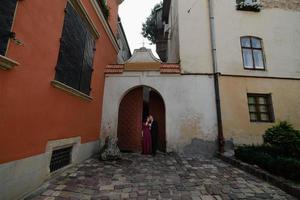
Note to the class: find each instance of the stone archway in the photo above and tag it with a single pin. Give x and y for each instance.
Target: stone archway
(135, 105)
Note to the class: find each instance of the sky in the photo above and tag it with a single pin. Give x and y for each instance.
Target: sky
(133, 13)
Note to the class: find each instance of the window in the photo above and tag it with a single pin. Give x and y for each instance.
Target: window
(60, 158)
(75, 60)
(260, 108)
(7, 11)
(253, 57)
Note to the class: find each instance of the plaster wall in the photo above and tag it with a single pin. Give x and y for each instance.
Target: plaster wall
(124, 53)
(235, 113)
(194, 36)
(173, 37)
(278, 24)
(282, 4)
(278, 27)
(189, 103)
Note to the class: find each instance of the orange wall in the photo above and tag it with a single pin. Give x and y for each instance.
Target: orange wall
(33, 112)
(113, 15)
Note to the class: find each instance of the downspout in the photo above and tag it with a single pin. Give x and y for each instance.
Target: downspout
(216, 76)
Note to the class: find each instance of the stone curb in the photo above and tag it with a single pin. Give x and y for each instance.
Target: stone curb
(261, 174)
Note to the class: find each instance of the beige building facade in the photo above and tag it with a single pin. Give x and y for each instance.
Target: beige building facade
(252, 51)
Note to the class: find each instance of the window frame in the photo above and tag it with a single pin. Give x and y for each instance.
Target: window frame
(252, 54)
(269, 105)
(7, 63)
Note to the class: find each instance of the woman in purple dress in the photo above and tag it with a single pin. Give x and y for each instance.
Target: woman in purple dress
(146, 134)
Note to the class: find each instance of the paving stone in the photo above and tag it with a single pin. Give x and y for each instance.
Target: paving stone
(207, 197)
(49, 198)
(217, 197)
(107, 187)
(48, 193)
(167, 176)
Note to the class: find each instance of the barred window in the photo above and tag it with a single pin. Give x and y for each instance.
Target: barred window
(260, 108)
(7, 12)
(253, 56)
(76, 54)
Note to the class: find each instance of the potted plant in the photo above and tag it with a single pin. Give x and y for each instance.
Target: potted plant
(104, 8)
(249, 5)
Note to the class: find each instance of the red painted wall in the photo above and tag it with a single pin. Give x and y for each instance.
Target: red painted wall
(33, 112)
(113, 14)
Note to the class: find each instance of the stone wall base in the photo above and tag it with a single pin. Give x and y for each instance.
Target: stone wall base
(18, 178)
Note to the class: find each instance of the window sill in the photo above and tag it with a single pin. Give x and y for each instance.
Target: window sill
(261, 122)
(7, 63)
(254, 69)
(70, 90)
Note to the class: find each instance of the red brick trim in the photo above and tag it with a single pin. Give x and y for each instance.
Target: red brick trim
(114, 69)
(170, 69)
(165, 68)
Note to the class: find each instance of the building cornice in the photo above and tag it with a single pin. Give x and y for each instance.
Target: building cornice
(263, 77)
(105, 25)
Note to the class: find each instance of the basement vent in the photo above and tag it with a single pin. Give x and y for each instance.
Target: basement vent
(60, 158)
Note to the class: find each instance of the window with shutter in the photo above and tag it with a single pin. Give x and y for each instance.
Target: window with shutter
(7, 11)
(75, 60)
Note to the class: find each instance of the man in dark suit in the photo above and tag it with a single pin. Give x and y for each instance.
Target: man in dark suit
(154, 134)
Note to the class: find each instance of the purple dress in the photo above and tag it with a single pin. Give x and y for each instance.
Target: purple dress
(147, 144)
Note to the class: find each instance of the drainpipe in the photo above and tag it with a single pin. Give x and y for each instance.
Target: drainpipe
(216, 76)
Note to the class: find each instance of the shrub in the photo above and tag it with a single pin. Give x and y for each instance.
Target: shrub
(282, 166)
(284, 137)
(149, 28)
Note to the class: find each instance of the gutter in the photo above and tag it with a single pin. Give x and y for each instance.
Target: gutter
(216, 75)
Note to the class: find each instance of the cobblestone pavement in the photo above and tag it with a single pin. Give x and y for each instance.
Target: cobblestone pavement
(166, 176)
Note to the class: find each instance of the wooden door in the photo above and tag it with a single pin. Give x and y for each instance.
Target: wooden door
(130, 121)
(157, 110)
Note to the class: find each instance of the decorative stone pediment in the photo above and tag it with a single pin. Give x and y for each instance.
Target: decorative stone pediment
(143, 60)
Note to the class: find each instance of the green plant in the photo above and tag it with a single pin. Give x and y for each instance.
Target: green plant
(284, 137)
(104, 8)
(149, 28)
(276, 164)
(255, 6)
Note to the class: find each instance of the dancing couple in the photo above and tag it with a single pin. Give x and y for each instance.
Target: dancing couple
(150, 136)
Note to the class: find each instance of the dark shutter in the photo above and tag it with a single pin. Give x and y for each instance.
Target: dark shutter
(7, 10)
(86, 75)
(69, 64)
(75, 61)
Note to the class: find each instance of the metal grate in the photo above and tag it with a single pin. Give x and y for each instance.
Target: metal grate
(60, 158)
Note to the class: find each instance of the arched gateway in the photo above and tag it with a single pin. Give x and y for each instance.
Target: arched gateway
(135, 106)
(133, 90)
